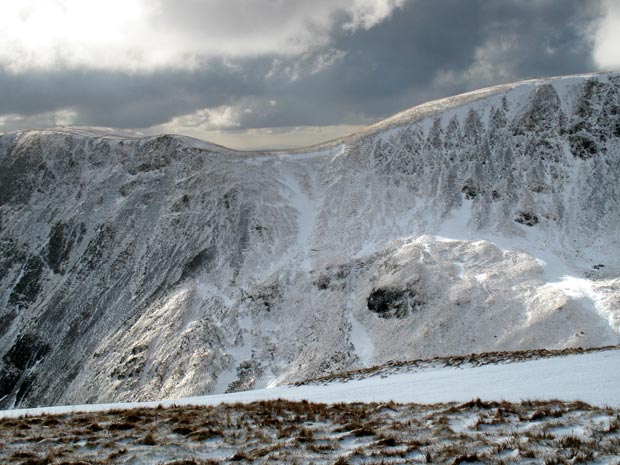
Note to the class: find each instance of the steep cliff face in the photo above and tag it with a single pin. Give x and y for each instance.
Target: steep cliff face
(141, 268)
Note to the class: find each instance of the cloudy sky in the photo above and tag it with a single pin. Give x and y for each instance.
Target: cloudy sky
(277, 73)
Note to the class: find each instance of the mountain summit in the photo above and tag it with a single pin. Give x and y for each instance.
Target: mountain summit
(139, 268)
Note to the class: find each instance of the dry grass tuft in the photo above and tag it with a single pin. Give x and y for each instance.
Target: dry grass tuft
(285, 432)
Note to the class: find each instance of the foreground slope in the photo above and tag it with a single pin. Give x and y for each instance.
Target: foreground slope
(590, 377)
(282, 432)
(382, 421)
(141, 268)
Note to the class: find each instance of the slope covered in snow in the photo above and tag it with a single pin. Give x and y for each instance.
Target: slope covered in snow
(591, 377)
(145, 268)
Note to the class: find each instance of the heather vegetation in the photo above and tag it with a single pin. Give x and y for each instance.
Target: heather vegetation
(544, 432)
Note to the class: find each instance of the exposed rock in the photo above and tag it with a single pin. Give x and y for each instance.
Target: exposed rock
(27, 288)
(526, 218)
(393, 303)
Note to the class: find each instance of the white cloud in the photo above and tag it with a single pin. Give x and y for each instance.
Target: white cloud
(491, 65)
(607, 38)
(234, 126)
(367, 13)
(307, 64)
(142, 35)
(207, 119)
(221, 118)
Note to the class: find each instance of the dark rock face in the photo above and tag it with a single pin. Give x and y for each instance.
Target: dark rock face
(17, 177)
(470, 191)
(526, 218)
(597, 118)
(27, 288)
(265, 297)
(63, 237)
(393, 303)
(26, 351)
(99, 247)
(202, 260)
(247, 373)
(544, 113)
(11, 255)
(24, 354)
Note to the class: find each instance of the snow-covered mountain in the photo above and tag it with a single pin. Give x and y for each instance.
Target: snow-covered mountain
(137, 268)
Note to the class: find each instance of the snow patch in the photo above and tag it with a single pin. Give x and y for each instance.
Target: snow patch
(362, 342)
(592, 378)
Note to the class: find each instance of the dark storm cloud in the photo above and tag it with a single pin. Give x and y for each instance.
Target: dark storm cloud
(121, 99)
(427, 49)
(397, 63)
(401, 61)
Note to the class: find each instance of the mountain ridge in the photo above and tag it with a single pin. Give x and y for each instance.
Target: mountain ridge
(406, 116)
(137, 269)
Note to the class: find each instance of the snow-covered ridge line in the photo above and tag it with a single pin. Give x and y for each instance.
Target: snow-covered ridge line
(92, 131)
(125, 135)
(456, 361)
(436, 106)
(592, 378)
(407, 116)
